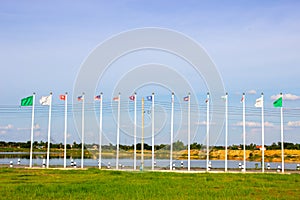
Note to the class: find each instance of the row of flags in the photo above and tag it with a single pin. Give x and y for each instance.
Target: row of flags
(46, 100)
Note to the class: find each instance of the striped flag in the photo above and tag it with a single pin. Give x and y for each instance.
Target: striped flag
(97, 98)
(80, 98)
(186, 98)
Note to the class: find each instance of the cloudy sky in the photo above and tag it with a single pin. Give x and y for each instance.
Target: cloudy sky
(255, 46)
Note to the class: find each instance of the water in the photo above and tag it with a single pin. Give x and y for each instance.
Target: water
(128, 163)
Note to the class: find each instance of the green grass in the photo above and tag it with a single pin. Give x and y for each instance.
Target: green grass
(97, 184)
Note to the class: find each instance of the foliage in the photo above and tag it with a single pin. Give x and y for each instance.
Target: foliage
(104, 184)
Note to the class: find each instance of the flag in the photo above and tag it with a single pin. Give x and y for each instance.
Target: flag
(186, 98)
(97, 98)
(242, 100)
(224, 97)
(28, 101)
(259, 103)
(45, 100)
(278, 102)
(149, 98)
(62, 97)
(116, 98)
(80, 98)
(206, 100)
(132, 98)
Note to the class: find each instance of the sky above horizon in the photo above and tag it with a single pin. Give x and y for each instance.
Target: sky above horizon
(255, 46)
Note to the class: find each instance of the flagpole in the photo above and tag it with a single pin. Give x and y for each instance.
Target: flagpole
(65, 131)
(142, 142)
(32, 126)
(134, 156)
(189, 132)
(82, 131)
(49, 129)
(226, 131)
(172, 131)
(152, 112)
(118, 132)
(281, 127)
(244, 132)
(100, 131)
(262, 134)
(207, 132)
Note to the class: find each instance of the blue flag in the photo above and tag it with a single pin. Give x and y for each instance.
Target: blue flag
(149, 98)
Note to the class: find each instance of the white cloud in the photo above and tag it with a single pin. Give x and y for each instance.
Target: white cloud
(35, 127)
(294, 123)
(289, 96)
(203, 123)
(7, 127)
(254, 124)
(251, 92)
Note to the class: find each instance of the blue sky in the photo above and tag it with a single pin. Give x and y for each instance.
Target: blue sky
(255, 45)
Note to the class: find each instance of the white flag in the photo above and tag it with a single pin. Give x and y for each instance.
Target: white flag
(259, 103)
(45, 100)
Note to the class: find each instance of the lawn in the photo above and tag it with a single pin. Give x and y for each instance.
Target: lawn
(107, 184)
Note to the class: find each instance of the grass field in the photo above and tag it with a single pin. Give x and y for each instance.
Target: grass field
(104, 184)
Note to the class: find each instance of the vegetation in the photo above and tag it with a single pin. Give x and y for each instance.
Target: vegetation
(177, 146)
(104, 184)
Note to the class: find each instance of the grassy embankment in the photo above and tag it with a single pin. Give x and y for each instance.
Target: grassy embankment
(104, 184)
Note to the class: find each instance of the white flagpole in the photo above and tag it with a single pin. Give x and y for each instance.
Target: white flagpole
(100, 132)
(65, 132)
(82, 131)
(262, 134)
(152, 112)
(118, 132)
(226, 131)
(244, 132)
(281, 127)
(172, 131)
(134, 153)
(49, 130)
(142, 142)
(32, 126)
(207, 132)
(189, 132)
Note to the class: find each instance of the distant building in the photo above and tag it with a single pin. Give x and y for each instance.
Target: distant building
(261, 147)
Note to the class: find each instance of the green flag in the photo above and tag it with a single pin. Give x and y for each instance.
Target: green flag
(278, 102)
(27, 101)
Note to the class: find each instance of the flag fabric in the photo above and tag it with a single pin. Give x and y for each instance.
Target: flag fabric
(97, 98)
(45, 100)
(80, 98)
(223, 97)
(206, 100)
(242, 99)
(116, 98)
(278, 102)
(62, 97)
(186, 98)
(28, 101)
(149, 98)
(132, 98)
(259, 103)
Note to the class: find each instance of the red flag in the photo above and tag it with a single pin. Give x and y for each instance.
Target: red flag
(186, 98)
(62, 97)
(132, 98)
(116, 98)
